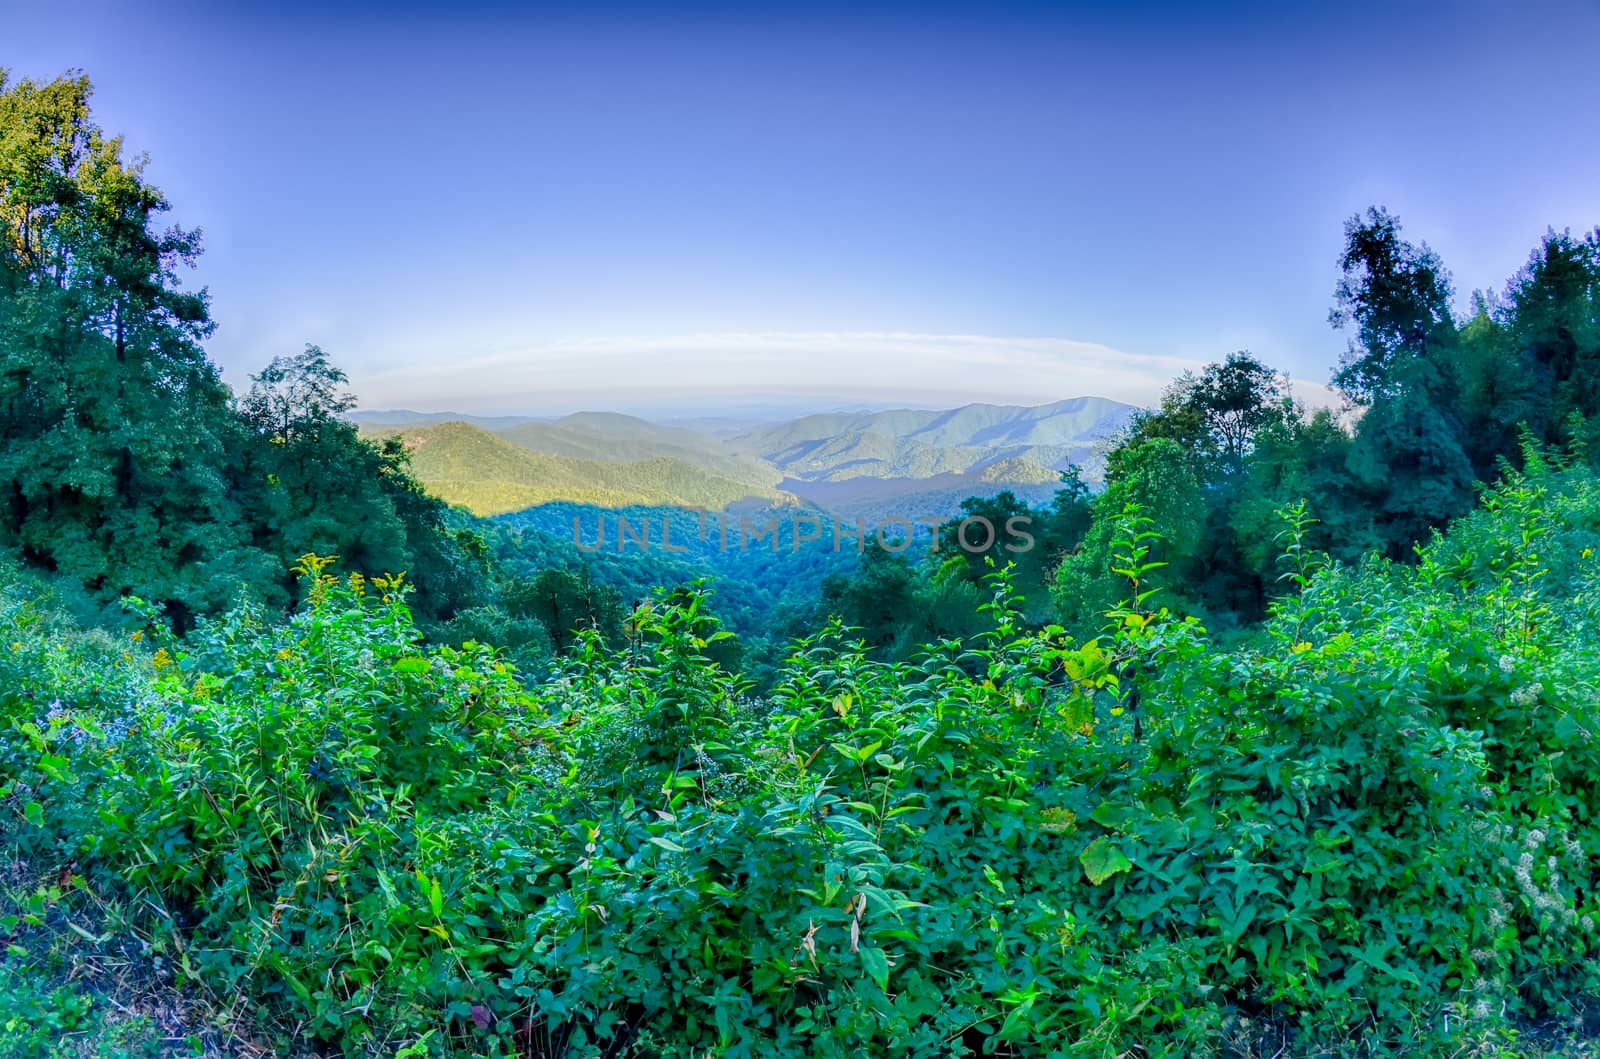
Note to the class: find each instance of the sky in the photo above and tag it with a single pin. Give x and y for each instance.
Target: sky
(534, 209)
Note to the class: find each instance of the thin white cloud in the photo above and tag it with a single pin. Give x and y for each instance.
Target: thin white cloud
(876, 366)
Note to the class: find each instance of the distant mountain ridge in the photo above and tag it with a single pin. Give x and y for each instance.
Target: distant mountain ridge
(868, 463)
(919, 444)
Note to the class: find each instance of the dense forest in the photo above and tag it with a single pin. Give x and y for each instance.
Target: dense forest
(1280, 743)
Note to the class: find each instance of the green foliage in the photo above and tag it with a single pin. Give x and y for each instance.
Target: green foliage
(765, 591)
(1032, 540)
(894, 609)
(1377, 815)
(1158, 477)
(127, 468)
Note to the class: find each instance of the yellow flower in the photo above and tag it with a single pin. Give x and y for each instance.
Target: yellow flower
(162, 660)
(137, 636)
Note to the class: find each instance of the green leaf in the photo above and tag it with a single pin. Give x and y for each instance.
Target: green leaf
(876, 961)
(667, 844)
(295, 983)
(1115, 817)
(411, 665)
(418, 1049)
(55, 766)
(1103, 859)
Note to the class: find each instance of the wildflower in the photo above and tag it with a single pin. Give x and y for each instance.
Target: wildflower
(1508, 664)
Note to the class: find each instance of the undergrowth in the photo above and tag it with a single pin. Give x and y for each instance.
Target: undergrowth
(1370, 830)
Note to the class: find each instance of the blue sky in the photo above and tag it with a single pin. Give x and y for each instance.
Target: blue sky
(516, 208)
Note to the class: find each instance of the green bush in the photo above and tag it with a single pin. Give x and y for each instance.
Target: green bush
(1369, 829)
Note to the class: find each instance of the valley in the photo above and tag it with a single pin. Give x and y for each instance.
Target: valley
(903, 463)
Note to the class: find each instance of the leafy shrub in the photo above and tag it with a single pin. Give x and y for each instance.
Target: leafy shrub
(1369, 829)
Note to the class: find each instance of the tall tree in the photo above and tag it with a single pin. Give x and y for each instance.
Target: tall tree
(313, 484)
(112, 416)
(1396, 297)
(1410, 454)
(1550, 318)
(126, 467)
(1215, 416)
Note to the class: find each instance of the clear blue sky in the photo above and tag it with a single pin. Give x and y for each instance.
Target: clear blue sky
(514, 208)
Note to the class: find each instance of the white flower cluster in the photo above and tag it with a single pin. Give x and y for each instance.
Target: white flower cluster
(1508, 664)
(1499, 911)
(1484, 1006)
(1529, 695)
(1550, 907)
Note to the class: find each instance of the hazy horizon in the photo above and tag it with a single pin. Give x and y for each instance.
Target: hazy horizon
(690, 405)
(816, 370)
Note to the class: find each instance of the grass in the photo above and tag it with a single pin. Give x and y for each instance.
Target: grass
(78, 982)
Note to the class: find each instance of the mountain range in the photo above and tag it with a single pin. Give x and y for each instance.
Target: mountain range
(907, 462)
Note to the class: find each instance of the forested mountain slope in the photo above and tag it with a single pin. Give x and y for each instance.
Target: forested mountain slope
(617, 438)
(909, 464)
(490, 473)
